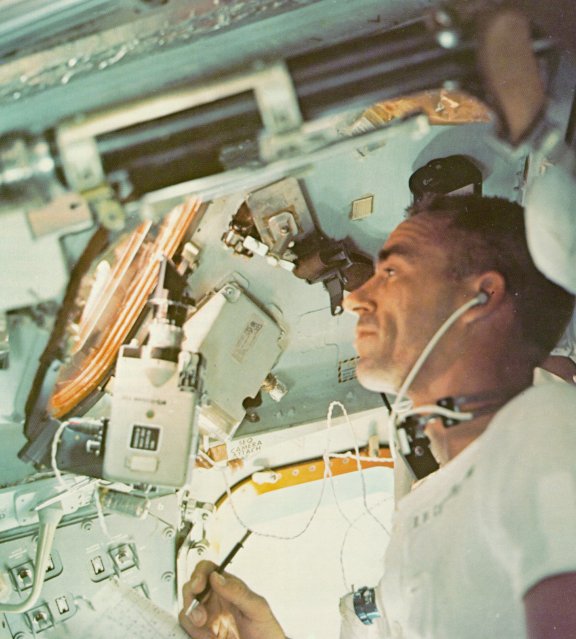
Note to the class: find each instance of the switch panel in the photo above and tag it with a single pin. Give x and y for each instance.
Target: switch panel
(83, 557)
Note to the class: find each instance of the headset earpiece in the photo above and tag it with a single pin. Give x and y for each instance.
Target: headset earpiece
(482, 297)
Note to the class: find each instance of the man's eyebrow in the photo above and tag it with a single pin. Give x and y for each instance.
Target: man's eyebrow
(395, 249)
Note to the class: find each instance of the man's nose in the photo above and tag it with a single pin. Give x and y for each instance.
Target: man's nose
(359, 300)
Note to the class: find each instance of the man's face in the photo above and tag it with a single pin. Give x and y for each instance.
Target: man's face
(404, 303)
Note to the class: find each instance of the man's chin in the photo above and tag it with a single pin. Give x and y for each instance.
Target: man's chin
(374, 380)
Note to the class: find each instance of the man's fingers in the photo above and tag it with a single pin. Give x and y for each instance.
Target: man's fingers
(195, 631)
(237, 593)
(193, 620)
(198, 616)
(198, 579)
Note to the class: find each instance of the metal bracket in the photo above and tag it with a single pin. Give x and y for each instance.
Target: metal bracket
(276, 97)
(272, 87)
(85, 174)
(80, 160)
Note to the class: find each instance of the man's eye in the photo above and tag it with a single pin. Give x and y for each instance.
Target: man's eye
(389, 272)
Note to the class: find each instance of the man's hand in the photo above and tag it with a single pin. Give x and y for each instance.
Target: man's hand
(231, 611)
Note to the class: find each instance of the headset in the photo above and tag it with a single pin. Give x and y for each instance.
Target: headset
(480, 299)
(408, 437)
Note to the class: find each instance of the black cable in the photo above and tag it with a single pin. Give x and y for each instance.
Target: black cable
(386, 402)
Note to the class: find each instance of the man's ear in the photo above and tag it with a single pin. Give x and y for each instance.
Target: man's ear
(490, 288)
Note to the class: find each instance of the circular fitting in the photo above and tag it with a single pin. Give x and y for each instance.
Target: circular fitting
(231, 292)
(168, 532)
(448, 38)
(86, 525)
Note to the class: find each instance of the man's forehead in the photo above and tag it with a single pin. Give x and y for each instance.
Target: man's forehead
(397, 248)
(416, 235)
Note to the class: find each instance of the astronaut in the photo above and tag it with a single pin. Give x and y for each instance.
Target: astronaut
(483, 547)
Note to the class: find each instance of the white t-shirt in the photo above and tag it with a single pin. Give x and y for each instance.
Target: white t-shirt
(470, 540)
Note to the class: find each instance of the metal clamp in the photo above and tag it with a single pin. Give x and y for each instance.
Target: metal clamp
(365, 607)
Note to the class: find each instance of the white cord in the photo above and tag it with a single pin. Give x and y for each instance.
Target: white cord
(327, 475)
(347, 533)
(327, 462)
(60, 479)
(272, 535)
(56, 443)
(326, 457)
(54, 452)
(438, 410)
(358, 462)
(100, 512)
(394, 414)
(367, 510)
(49, 519)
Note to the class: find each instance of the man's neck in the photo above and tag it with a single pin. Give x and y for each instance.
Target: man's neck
(446, 443)
(484, 402)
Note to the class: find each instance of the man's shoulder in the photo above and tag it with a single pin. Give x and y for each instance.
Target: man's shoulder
(546, 409)
(546, 395)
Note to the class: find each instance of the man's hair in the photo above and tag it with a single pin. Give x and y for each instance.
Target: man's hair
(488, 233)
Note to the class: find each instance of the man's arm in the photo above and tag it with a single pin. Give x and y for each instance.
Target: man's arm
(550, 608)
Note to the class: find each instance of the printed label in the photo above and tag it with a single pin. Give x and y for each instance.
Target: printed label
(247, 338)
(144, 437)
(244, 447)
